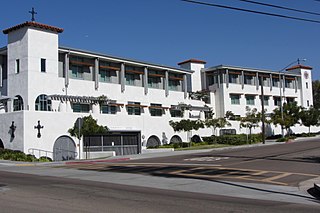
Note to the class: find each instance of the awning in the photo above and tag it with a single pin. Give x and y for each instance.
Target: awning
(4, 99)
(190, 107)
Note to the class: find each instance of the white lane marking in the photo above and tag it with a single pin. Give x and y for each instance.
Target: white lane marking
(207, 159)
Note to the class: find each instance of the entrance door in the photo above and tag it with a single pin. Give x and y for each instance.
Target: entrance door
(64, 149)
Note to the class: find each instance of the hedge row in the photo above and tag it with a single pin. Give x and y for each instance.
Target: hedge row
(233, 139)
(16, 155)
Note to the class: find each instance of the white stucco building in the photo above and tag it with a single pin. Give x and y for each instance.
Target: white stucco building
(46, 87)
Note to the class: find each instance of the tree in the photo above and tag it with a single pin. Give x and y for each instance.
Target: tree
(290, 116)
(186, 125)
(310, 117)
(316, 94)
(215, 123)
(251, 119)
(89, 127)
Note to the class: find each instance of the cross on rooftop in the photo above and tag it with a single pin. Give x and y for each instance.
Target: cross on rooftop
(33, 13)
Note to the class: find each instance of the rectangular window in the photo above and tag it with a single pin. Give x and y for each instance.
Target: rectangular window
(276, 101)
(154, 82)
(176, 113)
(43, 65)
(250, 99)
(108, 109)
(289, 83)
(265, 80)
(275, 82)
(129, 78)
(248, 79)
(134, 108)
(156, 110)
(174, 85)
(211, 80)
(83, 108)
(76, 72)
(235, 99)
(307, 85)
(266, 100)
(105, 76)
(308, 103)
(233, 78)
(290, 100)
(17, 65)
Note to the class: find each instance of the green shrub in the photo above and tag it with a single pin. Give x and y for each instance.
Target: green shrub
(239, 139)
(285, 139)
(233, 139)
(31, 158)
(17, 155)
(45, 159)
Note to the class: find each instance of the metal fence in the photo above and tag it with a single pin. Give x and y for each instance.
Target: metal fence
(122, 143)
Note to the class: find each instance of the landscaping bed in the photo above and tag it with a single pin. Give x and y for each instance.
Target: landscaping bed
(16, 155)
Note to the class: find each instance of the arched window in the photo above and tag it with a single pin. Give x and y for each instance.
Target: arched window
(43, 103)
(17, 103)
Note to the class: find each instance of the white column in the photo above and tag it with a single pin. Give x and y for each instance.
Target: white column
(185, 86)
(270, 82)
(122, 80)
(257, 81)
(62, 107)
(145, 80)
(66, 69)
(95, 108)
(227, 78)
(242, 79)
(96, 73)
(166, 83)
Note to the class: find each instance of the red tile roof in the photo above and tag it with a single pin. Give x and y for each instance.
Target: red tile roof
(33, 24)
(299, 66)
(193, 61)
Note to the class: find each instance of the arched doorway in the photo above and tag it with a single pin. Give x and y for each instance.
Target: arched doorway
(196, 139)
(1, 144)
(153, 141)
(175, 139)
(64, 149)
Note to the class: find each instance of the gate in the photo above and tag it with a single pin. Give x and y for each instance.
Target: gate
(64, 149)
(121, 142)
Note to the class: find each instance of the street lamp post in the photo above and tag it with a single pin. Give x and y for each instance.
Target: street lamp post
(281, 88)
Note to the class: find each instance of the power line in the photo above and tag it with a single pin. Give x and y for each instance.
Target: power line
(252, 11)
(281, 7)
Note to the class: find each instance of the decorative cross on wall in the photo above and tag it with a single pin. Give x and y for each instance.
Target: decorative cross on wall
(12, 129)
(32, 14)
(38, 127)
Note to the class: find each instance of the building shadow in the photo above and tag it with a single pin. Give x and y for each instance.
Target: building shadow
(200, 174)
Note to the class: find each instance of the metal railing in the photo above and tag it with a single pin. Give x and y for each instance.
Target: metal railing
(59, 150)
(51, 154)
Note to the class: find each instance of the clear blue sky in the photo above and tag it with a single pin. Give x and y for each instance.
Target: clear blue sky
(170, 31)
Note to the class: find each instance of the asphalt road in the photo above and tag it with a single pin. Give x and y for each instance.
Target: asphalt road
(282, 164)
(31, 193)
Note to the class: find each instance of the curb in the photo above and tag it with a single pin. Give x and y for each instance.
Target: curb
(96, 161)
